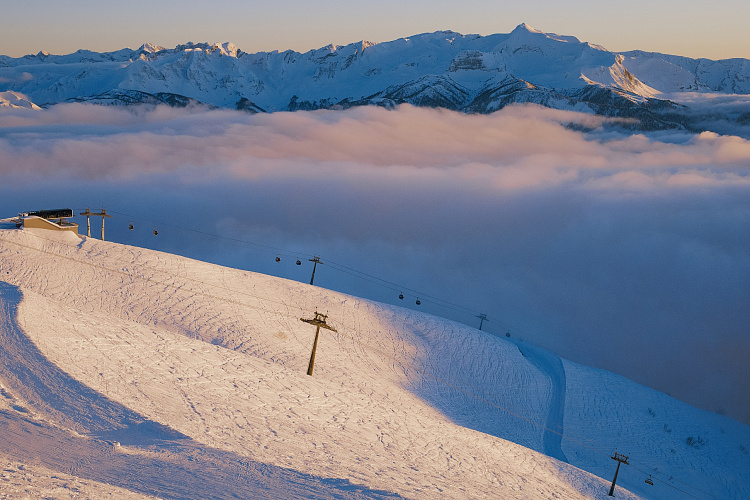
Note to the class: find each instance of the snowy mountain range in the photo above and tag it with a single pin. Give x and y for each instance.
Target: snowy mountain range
(469, 73)
(128, 372)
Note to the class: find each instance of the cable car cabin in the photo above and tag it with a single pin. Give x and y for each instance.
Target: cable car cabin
(53, 220)
(649, 481)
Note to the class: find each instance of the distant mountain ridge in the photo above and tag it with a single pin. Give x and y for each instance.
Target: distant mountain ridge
(468, 73)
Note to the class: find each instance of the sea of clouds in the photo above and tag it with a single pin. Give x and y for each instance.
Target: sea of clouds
(620, 250)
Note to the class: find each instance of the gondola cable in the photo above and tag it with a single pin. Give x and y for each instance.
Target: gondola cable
(354, 339)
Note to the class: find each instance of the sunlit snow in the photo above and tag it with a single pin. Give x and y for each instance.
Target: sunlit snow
(116, 351)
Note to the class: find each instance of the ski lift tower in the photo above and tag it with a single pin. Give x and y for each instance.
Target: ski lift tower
(621, 459)
(320, 322)
(88, 214)
(482, 318)
(316, 261)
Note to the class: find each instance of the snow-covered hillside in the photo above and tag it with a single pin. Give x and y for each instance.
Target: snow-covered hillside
(198, 372)
(478, 74)
(14, 101)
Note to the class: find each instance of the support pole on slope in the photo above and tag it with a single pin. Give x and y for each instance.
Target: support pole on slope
(320, 322)
(89, 213)
(482, 318)
(621, 459)
(316, 260)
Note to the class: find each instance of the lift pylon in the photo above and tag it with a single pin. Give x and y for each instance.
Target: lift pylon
(88, 214)
(482, 318)
(320, 322)
(621, 459)
(316, 261)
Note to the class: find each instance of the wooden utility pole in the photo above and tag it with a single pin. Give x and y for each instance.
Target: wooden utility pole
(89, 213)
(621, 459)
(320, 322)
(482, 318)
(316, 260)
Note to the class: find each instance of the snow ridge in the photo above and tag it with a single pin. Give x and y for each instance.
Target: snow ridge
(14, 100)
(364, 73)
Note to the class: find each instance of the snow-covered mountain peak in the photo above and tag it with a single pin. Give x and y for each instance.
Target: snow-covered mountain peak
(448, 34)
(364, 44)
(527, 27)
(15, 100)
(150, 48)
(226, 49)
(477, 74)
(331, 47)
(525, 32)
(191, 46)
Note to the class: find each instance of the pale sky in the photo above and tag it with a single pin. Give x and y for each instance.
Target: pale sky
(715, 29)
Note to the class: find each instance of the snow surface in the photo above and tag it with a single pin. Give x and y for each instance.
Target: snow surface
(193, 367)
(14, 100)
(222, 75)
(19, 480)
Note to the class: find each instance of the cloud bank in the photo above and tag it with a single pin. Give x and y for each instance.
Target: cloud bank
(628, 252)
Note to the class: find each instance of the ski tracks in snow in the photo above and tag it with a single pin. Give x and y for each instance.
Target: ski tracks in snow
(69, 427)
(552, 367)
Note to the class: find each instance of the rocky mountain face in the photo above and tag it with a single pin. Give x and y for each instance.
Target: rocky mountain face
(468, 73)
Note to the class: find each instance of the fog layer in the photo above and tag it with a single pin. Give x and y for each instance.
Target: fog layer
(628, 252)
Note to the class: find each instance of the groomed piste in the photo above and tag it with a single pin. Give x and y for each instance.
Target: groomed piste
(128, 372)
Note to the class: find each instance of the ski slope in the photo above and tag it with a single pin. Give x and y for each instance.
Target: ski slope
(130, 368)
